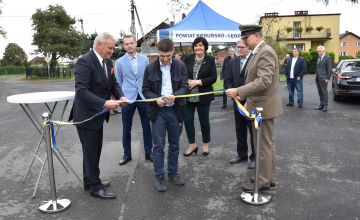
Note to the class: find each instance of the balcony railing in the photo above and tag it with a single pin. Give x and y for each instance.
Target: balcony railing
(293, 35)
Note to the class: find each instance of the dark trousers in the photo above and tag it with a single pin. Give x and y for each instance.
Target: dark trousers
(91, 142)
(241, 126)
(298, 85)
(166, 120)
(224, 95)
(203, 114)
(322, 91)
(127, 118)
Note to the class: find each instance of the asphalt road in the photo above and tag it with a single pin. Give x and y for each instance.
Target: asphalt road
(318, 166)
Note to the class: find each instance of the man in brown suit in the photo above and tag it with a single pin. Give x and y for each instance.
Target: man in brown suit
(261, 89)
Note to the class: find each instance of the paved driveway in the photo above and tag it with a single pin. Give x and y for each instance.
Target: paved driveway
(318, 167)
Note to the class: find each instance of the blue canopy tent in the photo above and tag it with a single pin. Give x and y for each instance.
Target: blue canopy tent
(205, 22)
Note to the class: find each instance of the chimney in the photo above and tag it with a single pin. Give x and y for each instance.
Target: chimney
(272, 14)
(183, 15)
(172, 23)
(301, 12)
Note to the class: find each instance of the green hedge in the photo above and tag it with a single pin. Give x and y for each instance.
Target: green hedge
(311, 58)
(7, 70)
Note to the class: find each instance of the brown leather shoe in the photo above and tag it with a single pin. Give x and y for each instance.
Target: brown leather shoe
(250, 187)
(252, 179)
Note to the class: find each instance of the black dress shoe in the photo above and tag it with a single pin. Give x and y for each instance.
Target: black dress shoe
(250, 187)
(103, 194)
(238, 160)
(252, 164)
(252, 179)
(125, 160)
(324, 109)
(319, 108)
(105, 184)
(290, 104)
(148, 157)
(224, 106)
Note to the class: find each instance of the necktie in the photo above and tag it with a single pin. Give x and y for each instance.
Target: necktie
(104, 68)
(242, 63)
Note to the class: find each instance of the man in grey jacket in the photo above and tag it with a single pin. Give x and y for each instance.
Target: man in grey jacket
(323, 74)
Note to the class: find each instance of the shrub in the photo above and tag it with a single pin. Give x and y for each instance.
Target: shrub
(7, 70)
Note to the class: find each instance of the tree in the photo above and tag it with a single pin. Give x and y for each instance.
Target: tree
(14, 55)
(87, 42)
(55, 35)
(177, 6)
(2, 31)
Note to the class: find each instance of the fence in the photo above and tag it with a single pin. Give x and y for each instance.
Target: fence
(41, 71)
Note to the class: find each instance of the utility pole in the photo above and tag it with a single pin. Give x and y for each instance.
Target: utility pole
(82, 25)
(132, 10)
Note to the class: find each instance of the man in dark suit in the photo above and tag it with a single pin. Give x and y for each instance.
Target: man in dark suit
(323, 74)
(236, 78)
(165, 78)
(94, 84)
(294, 71)
(261, 89)
(225, 73)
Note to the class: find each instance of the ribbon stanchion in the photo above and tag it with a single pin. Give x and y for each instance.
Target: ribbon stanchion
(55, 204)
(256, 198)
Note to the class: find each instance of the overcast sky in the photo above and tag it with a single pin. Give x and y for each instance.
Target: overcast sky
(114, 15)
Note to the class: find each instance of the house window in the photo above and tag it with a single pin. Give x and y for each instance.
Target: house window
(342, 53)
(297, 34)
(357, 53)
(357, 43)
(301, 47)
(343, 44)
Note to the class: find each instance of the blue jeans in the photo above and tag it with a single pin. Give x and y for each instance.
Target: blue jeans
(127, 118)
(298, 85)
(166, 120)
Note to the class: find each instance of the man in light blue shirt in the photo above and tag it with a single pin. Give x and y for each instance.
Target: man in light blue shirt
(130, 74)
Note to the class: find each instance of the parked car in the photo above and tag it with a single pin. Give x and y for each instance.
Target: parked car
(346, 79)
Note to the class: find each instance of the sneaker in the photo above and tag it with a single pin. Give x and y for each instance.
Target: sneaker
(176, 179)
(160, 184)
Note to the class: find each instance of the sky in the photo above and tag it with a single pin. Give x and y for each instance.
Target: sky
(114, 15)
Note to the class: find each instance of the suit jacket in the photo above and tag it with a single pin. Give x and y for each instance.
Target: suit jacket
(324, 68)
(207, 75)
(299, 68)
(129, 81)
(262, 87)
(225, 69)
(153, 82)
(92, 89)
(236, 78)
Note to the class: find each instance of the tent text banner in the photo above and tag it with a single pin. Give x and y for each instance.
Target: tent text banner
(213, 36)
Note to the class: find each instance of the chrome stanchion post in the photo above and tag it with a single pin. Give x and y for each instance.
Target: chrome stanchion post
(255, 198)
(53, 205)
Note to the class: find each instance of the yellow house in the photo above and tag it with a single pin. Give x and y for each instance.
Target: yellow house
(303, 30)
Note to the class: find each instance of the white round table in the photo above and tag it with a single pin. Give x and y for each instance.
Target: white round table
(41, 97)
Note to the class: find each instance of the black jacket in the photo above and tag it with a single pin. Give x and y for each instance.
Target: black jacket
(207, 75)
(152, 86)
(225, 70)
(92, 89)
(299, 68)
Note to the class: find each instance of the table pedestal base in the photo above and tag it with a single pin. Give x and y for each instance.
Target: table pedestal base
(255, 199)
(55, 206)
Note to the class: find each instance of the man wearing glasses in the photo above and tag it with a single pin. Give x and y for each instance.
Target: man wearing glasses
(261, 89)
(237, 78)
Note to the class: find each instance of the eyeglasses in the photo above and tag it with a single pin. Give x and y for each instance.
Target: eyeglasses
(240, 48)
